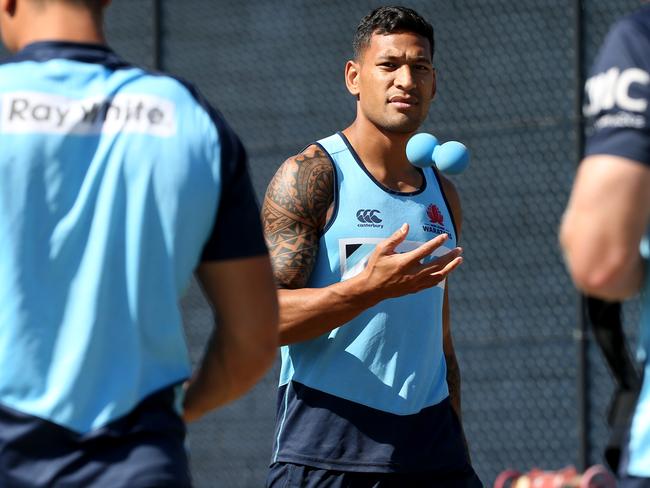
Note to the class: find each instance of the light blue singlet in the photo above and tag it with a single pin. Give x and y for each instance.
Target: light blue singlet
(390, 357)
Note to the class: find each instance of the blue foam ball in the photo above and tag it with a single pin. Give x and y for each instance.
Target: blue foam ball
(419, 149)
(451, 158)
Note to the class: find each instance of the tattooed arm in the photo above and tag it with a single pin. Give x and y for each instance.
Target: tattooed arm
(453, 371)
(296, 207)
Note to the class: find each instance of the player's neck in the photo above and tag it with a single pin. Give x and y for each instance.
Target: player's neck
(378, 147)
(384, 155)
(59, 22)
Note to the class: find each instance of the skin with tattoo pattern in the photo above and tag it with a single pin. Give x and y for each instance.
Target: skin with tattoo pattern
(295, 210)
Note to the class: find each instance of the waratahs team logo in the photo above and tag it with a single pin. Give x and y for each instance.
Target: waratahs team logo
(434, 214)
(436, 221)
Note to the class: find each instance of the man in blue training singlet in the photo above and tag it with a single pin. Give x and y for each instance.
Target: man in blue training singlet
(115, 186)
(362, 243)
(605, 228)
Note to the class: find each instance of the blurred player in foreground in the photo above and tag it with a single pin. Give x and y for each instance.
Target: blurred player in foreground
(115, 185)
(370, 387)
(609, 210)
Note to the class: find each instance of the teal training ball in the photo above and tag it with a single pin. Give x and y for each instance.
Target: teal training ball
(419, 149)
(451, 158)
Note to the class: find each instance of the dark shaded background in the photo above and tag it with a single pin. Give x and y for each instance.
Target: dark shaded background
(507, 88)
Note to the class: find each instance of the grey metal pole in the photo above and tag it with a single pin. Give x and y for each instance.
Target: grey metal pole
(156, 34)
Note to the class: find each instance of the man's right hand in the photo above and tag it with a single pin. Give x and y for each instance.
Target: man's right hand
(392, 274)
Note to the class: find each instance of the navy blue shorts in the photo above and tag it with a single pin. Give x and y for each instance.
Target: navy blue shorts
(287, 475)
(144, 449)
(633, 482)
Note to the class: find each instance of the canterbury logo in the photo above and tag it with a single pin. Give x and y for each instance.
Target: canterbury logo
(369, 216)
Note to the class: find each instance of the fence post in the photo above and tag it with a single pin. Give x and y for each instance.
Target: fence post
(581, 333)
(156, 34)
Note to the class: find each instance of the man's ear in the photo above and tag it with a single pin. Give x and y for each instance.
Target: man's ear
(352, 70)
(8, 11)
(8, 7)
(434, 85)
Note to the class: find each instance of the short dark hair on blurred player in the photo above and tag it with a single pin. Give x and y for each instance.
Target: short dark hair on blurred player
(94, 5)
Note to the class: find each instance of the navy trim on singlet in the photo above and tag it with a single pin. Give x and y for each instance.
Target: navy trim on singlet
(238, 209)
(91, 53)
(374, 180)
(444, 197)
(329, 432)
(335, 199)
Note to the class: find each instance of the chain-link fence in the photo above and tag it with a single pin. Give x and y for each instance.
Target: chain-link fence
(507, 88)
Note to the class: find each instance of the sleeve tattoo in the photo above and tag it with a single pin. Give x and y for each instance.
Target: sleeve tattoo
(294, 211)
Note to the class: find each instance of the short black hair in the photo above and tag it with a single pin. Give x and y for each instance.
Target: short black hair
(94, 5)
(389, 20)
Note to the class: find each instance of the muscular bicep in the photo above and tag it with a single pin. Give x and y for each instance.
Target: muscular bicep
(448, 342)
(242, 294)
(609, 207)
(294, 212)
(606, 217)
(453, 371)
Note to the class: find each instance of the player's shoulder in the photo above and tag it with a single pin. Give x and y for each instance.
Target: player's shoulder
(629, 34)
(637, 21)
(312, 160)
(453, 199)
(305, 181)
(196, 111)
(179, 88)
(312, 154)
(451, 192)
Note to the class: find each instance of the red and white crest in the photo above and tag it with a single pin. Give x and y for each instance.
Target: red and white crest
(434, 214)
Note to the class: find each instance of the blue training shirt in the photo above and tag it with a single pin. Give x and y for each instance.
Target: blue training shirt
(114, 183)
(371, 395)
(618, 101)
